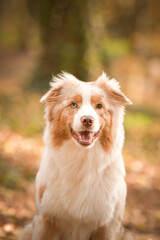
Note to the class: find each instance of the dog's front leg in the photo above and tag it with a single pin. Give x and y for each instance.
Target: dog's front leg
(45, 228)
(100, 234)
(115, 227)
(103, 234)
(113, 230)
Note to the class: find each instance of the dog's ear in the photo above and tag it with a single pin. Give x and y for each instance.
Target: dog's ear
(51, 95)
(56, 84)
(112, 89)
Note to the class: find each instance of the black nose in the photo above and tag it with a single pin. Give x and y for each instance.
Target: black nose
(87, 121)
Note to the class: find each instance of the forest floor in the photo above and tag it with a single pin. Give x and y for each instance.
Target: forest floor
(21, 148)
(19, 162)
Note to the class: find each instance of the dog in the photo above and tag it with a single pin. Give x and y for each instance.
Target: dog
(80, 186)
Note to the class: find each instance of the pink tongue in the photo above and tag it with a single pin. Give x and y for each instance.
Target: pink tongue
(86, 135)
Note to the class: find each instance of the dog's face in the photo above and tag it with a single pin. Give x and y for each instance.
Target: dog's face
(83, 111)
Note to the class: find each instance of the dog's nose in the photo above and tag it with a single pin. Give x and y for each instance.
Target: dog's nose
(87, 121)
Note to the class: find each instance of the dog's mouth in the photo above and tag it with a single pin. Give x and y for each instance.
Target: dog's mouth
(84, 138)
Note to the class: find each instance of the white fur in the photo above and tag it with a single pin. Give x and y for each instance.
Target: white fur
(85, 186)
(86, 109)
(93, 200)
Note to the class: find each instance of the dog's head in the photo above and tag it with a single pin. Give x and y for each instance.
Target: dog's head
(83, 112)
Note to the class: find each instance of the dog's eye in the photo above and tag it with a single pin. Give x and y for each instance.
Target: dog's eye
(73, 105)
(99, 105)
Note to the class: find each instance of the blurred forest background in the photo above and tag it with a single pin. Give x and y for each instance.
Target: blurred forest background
(40, 38)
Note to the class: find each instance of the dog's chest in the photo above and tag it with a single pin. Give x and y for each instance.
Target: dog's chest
(80, 188)
(88, 196)
(91, 197)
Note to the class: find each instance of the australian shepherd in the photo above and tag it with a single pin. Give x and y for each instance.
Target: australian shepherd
(80, 186)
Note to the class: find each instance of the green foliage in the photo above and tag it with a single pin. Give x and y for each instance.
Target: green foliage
(142, 131)
(24, 114)
(115, 47)
(138, 119)
(11, 176)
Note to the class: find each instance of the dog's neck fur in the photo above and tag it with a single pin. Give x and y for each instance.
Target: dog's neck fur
(83, 170)
(71, 158)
